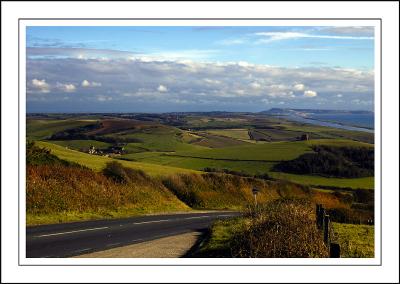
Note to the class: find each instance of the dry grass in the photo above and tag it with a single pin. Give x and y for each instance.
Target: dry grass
(223, 191)
(281, 229)
(56, 191)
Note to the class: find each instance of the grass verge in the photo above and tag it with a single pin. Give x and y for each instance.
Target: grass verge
(356, 241)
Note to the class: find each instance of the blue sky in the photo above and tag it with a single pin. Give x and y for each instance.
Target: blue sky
(157, 69)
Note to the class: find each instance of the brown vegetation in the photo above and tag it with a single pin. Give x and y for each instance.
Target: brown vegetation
(54, 189)
(283, 228)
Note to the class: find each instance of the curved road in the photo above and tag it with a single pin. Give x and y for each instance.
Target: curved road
(70, 239)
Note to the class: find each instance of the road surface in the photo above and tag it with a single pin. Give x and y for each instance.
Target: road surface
(71, 239)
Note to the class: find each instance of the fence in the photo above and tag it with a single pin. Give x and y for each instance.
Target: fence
(324, 224)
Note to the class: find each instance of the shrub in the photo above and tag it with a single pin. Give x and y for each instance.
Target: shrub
(120, 174)
(283, 228)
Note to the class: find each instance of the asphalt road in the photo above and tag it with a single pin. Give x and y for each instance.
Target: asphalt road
(70, 239)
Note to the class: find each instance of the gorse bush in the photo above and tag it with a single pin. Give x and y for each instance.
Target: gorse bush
(282, 229)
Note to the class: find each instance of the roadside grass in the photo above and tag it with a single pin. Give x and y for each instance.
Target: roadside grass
(224, 191)
(356, 241)
(97, 162)
(280, 229)
(57, 193)
(218, 238)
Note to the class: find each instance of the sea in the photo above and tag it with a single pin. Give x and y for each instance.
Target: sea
(365, 120)
(348, 121)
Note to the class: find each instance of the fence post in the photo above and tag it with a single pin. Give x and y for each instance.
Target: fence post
(326, 230)
(318, 209)
(334, 250)
(321, 218)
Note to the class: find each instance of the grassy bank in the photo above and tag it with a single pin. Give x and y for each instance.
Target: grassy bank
(58, 193)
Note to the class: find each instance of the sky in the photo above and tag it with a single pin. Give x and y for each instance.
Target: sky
(203, 68)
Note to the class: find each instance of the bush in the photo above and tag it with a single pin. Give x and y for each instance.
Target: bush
(120, 174)
(283, 228)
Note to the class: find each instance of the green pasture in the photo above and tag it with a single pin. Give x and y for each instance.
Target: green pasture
(97, 162)
(250, 167)
(240, 134)
(81, 144)
(365, 182)
(41, 129)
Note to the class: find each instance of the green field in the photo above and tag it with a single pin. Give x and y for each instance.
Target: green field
(204, 142)
(251, 167)
(81, 144)
(97, 163)
(41, 129)
(276, 151)
(365, 183)
(241, 134)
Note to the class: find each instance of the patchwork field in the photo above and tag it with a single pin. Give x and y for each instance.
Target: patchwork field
(167, 144)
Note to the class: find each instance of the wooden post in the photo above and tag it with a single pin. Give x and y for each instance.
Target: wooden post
(334, 250)
(326, 230)
(318, 208)
(321, 218)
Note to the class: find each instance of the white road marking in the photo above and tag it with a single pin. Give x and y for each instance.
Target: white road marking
(148, 222)
(226, 215)
(71, 232)
(197, 217)
(82, 250)
(135, 240)
(113, 244)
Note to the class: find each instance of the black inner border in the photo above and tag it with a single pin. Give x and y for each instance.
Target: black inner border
(222, 19)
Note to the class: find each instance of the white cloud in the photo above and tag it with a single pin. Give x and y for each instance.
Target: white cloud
(162, 89)
(255, 85)
(339, 95)
(223, 83)
(102, 98)
(41, 85)
(299, 87)
(211, 81)
(86, 83)
(233, 41)
(68, 88)
(277, 36)
(310, 94)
